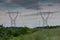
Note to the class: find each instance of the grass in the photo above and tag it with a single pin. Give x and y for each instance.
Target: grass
(42, 34)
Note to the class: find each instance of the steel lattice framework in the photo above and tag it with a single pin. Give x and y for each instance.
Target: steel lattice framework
(13, 19)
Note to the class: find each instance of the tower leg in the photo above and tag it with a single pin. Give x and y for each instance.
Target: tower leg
(45, 22)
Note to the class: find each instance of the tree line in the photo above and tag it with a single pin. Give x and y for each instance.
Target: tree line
(8, 32)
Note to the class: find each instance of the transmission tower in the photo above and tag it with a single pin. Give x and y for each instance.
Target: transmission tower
(45, 16)
(12, 18)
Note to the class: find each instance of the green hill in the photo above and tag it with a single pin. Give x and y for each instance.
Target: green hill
(42, 34)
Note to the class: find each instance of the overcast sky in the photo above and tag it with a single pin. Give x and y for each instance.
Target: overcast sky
(29, 12)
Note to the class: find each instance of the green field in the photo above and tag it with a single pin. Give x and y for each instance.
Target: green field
(42, 34)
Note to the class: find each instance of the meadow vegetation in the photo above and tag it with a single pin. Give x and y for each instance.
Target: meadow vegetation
(25, 33)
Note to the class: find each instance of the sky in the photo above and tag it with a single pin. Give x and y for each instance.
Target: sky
(29, 12)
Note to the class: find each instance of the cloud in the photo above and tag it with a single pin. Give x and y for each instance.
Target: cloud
(29, 4)
(32, 4)
(5, 1)
(37, 14)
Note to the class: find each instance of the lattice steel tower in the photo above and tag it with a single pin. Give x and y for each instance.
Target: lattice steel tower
(45, 16)
(12, 18)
